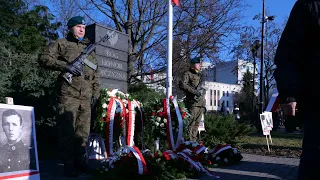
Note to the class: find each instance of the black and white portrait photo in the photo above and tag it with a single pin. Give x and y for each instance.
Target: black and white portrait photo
(18, 152)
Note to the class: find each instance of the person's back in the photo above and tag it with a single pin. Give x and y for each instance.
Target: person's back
(297, 60)
(298, 49)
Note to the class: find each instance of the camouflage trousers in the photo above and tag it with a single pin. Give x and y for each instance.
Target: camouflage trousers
(196, 114)
(74, 127)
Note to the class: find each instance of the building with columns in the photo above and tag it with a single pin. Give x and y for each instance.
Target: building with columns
(222, 82)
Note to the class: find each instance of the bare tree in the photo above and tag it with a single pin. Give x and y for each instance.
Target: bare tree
(201, 26)
(242, 51)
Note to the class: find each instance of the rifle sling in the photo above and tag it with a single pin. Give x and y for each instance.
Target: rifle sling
(90, 64)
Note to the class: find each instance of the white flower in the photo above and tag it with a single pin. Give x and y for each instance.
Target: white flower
(159, 119)
(112, 93)
(125, 101)
(103, 114)
(217, 158)
(165, 120)
(104, 105)
(157, 124)
(161, 125)
(225, 160)
(127, 95)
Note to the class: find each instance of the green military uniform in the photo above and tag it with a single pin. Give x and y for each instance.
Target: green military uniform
(17, 157)
(196, 105)
(75, 98)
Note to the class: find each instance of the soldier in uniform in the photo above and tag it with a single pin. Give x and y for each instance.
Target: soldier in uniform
(15, 155)
(76, 97)
(194, 96)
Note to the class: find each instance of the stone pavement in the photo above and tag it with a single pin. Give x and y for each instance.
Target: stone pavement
(251, 167)
(254, 167)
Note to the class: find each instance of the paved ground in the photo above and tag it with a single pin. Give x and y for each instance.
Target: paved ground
(252, 167)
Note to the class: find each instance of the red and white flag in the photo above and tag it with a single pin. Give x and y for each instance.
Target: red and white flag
(176, 2)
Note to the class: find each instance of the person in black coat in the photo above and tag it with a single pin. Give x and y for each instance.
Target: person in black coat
(298, 61)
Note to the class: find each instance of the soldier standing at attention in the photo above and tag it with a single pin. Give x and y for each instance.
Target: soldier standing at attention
(194, 96)
(75, 98)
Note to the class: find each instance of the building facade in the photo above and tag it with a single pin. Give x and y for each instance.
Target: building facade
(223, 81)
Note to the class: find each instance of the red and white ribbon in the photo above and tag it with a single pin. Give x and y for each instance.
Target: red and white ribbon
(180, 121)
(205, 170)
(109, 126)
(186, 157)
(197, 165)
(216, 151)
(137, 104)
(130, 123)
(142, 165)
(166, 105)
(199, 149)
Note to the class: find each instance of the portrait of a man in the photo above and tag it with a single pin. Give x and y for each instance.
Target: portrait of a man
(15, 155)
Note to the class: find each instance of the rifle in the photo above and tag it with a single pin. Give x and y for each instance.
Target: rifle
(201, 89)
(81, 60)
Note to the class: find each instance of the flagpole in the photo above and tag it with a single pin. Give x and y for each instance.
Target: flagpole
(169, 55)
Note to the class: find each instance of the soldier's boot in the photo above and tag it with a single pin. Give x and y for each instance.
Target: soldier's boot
(70, 170)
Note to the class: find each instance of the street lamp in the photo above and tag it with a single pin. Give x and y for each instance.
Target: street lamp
(254, 50)
(264, 20)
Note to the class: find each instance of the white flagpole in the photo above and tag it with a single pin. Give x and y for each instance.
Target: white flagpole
(169, 55)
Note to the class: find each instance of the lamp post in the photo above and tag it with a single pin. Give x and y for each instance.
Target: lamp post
(264, 20)
(254, 50)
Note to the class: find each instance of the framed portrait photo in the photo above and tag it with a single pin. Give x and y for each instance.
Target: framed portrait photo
(18, 145)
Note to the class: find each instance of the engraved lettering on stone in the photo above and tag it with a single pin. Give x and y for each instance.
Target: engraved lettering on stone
(111, 64)
(118, 75)
(112, 54)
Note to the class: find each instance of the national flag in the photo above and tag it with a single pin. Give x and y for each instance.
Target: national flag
(176, 2)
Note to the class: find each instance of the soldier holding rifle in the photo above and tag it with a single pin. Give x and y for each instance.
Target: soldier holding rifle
(195, 103)
(79, 87)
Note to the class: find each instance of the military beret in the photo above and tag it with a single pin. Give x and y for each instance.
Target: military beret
(75, 21)
(195, 60)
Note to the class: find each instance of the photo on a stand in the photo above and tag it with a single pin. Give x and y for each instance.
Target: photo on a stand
(19, 156)
(264, 124)
(269, 120)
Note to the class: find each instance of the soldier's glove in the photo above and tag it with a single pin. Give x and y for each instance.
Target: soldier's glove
(74, 70)
(198, 93)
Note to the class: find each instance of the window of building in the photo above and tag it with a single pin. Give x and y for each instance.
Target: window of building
(227, 103)
(223, 94)
(227, 93)
(210, 102)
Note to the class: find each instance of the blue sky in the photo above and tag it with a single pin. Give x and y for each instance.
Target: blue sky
(280, 8)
